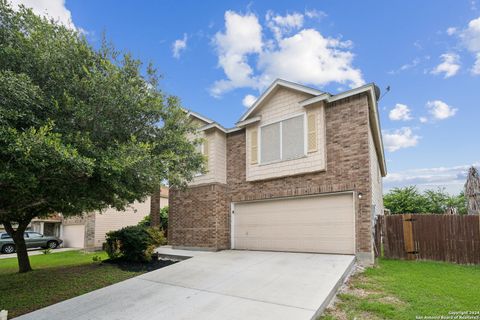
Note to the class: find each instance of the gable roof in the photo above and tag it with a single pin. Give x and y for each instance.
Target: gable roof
(370, 89)
(209, 122)
(271, 89)
(198, 116)
(372, 92)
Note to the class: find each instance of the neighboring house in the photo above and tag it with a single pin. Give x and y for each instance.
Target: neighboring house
(88, 231)
(301, 171)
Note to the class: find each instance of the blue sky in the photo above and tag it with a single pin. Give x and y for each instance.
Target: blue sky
(218, 55)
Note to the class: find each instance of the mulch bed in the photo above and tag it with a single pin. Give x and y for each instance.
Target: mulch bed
(140, 266)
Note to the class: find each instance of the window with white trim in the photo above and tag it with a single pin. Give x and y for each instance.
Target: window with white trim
(283, 140)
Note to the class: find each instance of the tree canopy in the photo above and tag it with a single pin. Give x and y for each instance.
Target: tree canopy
(410, 200)
(80, 129)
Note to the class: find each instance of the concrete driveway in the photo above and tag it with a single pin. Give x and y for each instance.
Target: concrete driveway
(219, 285)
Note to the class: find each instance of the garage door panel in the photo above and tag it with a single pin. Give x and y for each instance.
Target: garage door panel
(291, 231)
(308, 224)
(74, 236)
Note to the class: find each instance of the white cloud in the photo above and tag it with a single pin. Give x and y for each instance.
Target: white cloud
(250, 59)
(179, 45)
(411, 65)
(418, 45)
(470, 38)
(449, 66)
(283, 24)
(452, 178)
(423, 119)
(48, 8)
(440, 110)
(242, 36)
(451, 31)
(476, 66)
(313, 13)
(473, 5)
(471, 35)
(400, 112)
(308, 57)
(249, 100)
(399, 139)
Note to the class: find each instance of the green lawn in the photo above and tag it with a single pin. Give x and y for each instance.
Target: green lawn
(56, 277)
(397, 289)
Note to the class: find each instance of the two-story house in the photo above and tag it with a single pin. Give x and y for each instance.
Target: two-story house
(301, 172)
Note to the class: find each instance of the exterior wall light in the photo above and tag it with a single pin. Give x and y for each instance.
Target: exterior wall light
(360, 195)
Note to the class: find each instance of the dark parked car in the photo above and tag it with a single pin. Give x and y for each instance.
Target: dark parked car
(32, 239)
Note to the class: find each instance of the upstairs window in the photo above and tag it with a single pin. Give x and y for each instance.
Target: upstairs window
(204, 149)
(283, 140)
(270, 143)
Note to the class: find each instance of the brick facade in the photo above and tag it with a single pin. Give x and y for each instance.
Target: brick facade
(199, 216)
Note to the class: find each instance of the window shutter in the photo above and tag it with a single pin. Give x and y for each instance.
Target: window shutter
(206, 150)
(312, 132)
(253, 146)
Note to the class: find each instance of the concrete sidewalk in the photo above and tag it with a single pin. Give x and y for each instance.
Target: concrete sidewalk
(34, 252)
(221, 285)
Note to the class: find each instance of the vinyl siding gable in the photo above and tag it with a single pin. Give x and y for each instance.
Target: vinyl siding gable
(284, 104)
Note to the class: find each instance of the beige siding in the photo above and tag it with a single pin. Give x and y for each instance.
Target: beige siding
(281, 105)
(112, 219)
(324, 224)
(376, 178)
(217, 155)
(163, 202)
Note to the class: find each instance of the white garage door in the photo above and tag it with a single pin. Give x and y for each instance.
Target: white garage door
(323, 224)
(74, 236)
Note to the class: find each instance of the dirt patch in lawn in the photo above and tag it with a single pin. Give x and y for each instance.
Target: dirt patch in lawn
(361, 298)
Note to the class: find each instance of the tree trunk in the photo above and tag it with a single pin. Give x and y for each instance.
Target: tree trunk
(20, 245)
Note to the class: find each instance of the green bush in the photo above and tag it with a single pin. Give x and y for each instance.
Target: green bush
(158, 236)
(145, 222)
(164, 218)
(133, 243)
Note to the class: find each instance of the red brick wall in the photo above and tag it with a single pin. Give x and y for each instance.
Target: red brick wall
(200, 216)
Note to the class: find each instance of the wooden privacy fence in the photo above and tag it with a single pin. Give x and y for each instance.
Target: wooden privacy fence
(452, 238)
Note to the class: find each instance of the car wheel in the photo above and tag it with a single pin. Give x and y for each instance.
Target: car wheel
(52, 244)
(8, 248)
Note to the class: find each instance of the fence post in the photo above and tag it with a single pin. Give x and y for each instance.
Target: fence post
(379, 221)
(408, 236)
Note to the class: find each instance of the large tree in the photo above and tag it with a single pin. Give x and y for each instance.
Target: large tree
(80, 129)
